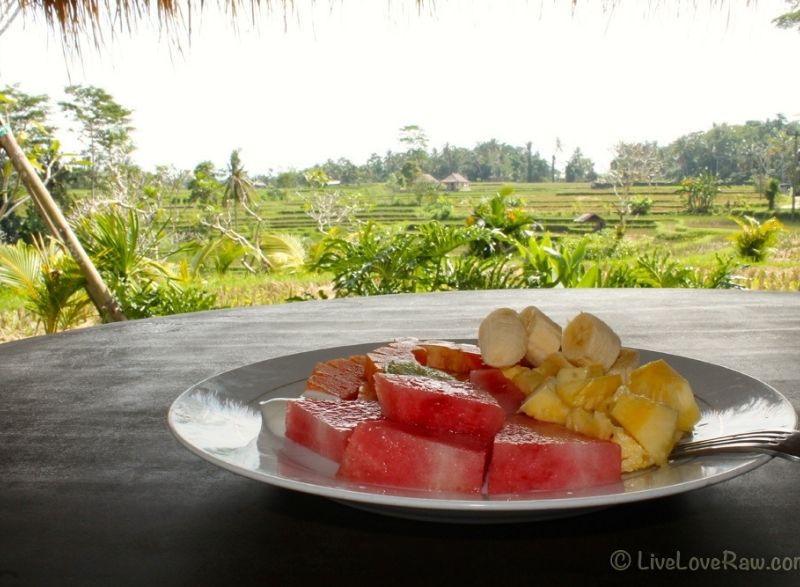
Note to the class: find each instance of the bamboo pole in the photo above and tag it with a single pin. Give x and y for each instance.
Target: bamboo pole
(95, 286)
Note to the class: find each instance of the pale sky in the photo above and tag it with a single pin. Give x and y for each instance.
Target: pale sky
(339, 78)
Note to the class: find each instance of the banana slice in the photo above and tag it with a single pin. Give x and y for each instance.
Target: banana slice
(544, 335)
(588, 340)
(502, 338)
(626, 362)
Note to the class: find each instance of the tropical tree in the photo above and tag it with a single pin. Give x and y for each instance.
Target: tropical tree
(413, 137)
(791, 19)
(238, 189)
(328, 208)
(204, 186)
(28, 116)
(105, 128)
(579, 168)
(633, 163)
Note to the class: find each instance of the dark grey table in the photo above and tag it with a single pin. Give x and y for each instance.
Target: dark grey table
(95, 490)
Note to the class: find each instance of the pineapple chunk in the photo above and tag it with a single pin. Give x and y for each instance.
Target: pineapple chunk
(590, 394)
(634, 457)
(513, 371)
(626, 362)
(528, 380)
(661, 383)
(652, 424)
(593, 424)
(545, 405)
(553, 363)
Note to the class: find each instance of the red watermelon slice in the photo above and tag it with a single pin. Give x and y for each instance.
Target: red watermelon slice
(399, 351)
(528, 455)
(325, 426)
(501, 387)
(444, 406)
(397, 455)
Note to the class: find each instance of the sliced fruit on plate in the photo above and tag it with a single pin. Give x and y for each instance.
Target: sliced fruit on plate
(456, 358)
(398, 351)
(652, 424)
(545, 404)
(529, 455)
(626, 362)
(590, 393)
(325, 426)
(590, 423)
(544, 335)
(342, 378)
(661, 383)
(507, 394)
(398, 455)
(587, 340)
(446, 406)
(634, 456)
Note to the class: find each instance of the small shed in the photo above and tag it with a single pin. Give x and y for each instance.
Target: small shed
(596, 219)
(455, 182)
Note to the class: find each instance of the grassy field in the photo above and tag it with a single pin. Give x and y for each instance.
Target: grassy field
(553, 204)
(694, 239)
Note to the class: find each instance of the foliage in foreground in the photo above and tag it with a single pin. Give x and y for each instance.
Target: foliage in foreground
(439, 258)
(48, 281)
(126, 253)
(755, 239)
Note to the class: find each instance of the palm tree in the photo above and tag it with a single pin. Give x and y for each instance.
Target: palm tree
(48, 281)
(238, 187)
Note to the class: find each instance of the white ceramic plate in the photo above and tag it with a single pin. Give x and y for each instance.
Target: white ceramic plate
(220, 419)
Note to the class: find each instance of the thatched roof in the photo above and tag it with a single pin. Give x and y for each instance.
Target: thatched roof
(455, 178)
(78, 19)
(427, 178)
(589, 217)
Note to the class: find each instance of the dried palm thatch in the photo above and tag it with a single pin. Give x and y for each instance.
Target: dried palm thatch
(79, 20)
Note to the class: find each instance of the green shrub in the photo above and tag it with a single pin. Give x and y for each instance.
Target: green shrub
(439, 209)
(699, 193)
(640, 205)
(505, 219)
(755, 239)
(127, 254)
(435, 257)
(771, 192)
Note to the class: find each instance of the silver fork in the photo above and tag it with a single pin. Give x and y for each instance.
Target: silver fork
(779, 443)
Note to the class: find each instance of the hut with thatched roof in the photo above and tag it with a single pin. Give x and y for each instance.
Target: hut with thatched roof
(428, 179)
(593, 218)
(455, 182)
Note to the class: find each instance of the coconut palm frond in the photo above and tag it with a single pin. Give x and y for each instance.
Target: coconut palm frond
(48, 281)
(20, 268)
(283, 250)
(117, 243)
(226, 253)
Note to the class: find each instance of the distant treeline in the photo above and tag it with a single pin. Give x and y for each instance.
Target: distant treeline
(736, 153)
